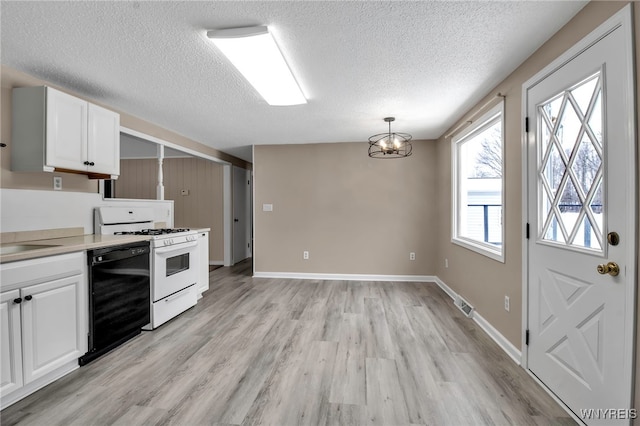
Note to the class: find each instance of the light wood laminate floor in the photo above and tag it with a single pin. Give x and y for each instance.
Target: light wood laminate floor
(299, 352)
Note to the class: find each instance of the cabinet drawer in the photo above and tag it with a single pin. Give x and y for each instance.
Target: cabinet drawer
(29, 272)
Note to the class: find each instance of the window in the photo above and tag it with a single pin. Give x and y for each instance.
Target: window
(478, 186)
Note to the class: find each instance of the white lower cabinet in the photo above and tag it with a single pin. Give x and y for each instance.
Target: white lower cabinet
(10, 343)
(44, 322)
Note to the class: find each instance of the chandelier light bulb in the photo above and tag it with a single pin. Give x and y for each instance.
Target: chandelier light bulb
(390, 144)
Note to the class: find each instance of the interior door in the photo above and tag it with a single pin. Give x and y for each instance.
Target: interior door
(581, 211)
(241, 214)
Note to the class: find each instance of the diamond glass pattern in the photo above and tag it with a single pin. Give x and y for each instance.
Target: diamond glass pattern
(571, 156)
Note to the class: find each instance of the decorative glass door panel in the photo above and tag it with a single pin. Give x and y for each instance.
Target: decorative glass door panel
(570, 167)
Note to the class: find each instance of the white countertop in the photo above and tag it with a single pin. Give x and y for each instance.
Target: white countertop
(68, 245)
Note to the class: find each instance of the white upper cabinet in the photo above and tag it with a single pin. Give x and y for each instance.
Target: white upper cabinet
(52, 130)
(66, 131)
(103, 144)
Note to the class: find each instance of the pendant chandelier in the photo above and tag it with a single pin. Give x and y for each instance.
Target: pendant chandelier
(390, 145)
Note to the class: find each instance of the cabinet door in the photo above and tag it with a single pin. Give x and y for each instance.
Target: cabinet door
(203, 250)
(51, 328)
(66, 131)
(10, 343)
(104, 141)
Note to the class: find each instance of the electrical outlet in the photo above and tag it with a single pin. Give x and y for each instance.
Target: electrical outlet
(506, 303)
(412, 256)
(57, 183)
(305, 255)
(446, 263)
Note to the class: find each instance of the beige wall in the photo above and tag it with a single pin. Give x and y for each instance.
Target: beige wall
(354, 214)
(482, 281)
(10, 78)
(202, 208)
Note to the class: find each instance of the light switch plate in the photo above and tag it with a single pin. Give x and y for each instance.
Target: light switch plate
(184, 192)
(267, 207)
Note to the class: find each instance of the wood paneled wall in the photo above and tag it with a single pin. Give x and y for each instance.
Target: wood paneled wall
(138, 179)
(201, 208)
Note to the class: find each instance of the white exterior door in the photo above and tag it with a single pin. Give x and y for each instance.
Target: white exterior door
(581, 194)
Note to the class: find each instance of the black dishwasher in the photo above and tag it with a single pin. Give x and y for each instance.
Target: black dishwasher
(119, 296)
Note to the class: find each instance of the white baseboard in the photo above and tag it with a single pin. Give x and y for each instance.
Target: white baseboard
(345, 277)
(506, 345)
(452, 294)
(216, 262)
(503, 342)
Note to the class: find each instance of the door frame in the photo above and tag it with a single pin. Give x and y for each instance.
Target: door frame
(622, 19)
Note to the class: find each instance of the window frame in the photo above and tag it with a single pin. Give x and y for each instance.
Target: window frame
(481, 124)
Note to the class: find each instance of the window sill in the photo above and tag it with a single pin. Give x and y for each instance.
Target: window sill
(483, 249)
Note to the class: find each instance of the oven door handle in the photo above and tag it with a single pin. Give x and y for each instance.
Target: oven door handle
(176, 248)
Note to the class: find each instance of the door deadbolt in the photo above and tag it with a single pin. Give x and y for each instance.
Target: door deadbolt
(613, 238)
(610, 268)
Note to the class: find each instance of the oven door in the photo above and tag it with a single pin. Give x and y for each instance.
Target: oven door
(174, 268)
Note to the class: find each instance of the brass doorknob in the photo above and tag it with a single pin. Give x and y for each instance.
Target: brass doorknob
(610, 268)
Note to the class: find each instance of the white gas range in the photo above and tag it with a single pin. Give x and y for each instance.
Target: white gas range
(173, 259)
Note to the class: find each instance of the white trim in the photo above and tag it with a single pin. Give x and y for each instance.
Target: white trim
(227, 213)
(479, 247)
(514, 353)
(622, 19)
(216, 262)
(253, 208)
(506, 345)
(497, 112)
(346, 277)
(171, 145)
(452, 294)
(525, 222)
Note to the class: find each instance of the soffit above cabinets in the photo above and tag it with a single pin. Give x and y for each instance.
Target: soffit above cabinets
(425, 62)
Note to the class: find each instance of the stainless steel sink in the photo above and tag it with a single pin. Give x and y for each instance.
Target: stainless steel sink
(19, 248)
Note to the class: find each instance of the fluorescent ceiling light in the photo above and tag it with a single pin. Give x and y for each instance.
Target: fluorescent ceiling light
(254, 52)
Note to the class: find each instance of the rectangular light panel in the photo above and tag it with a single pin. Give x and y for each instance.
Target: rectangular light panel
(254, 52)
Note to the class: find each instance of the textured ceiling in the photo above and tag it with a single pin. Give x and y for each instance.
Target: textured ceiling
(425, 63)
